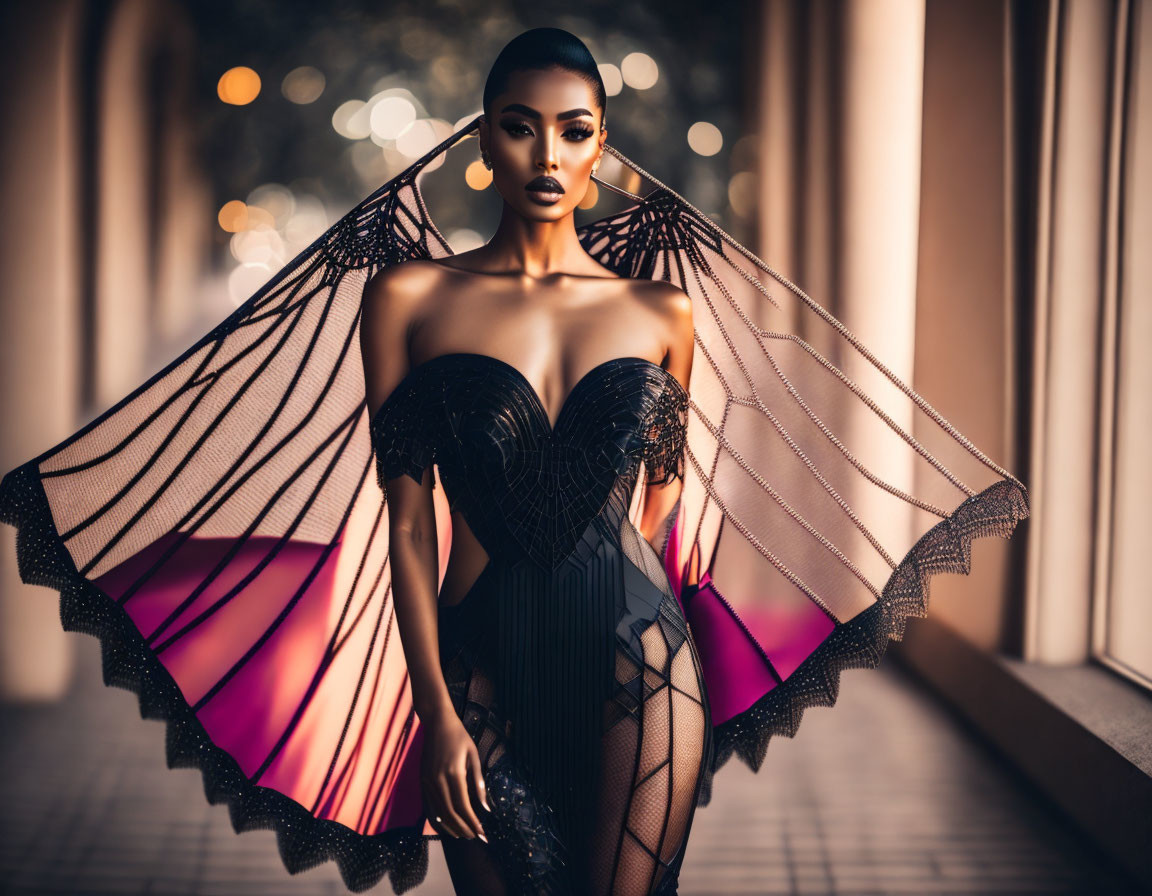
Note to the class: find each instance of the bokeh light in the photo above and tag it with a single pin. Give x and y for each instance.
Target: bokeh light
(390, 115)
(613, 81)
(745, 153)
(308, 221)
(259, 219)
(275, 200)
(742, 188)
(263, 246)
(369, 162)
(348, 120)
(639, 71)
(421, 136)
(273, 225)
(705, 138)
(238, 86)
(477, 176)
(303, 85)
(448, 70)
(591, 195)
(233, 216)
(386, 110)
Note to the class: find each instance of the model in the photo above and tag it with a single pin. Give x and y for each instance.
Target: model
(676, 498)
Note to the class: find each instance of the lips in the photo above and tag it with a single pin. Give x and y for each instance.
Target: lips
(544, 184)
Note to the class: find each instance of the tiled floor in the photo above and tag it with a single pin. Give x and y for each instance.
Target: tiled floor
(883, 793)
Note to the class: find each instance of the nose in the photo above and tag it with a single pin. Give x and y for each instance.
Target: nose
(546, 151)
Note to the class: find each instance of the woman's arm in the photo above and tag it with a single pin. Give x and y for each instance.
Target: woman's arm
(391, 304)
(661, 498)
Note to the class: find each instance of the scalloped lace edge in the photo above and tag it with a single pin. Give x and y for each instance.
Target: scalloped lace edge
(861, 642)
(304, 841)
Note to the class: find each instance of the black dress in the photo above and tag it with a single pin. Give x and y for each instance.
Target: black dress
(221, 531)
(569, 659)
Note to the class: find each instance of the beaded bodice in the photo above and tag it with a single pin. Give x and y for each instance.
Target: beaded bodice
(529, 487)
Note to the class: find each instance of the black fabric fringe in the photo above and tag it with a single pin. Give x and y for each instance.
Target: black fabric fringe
(556, 659)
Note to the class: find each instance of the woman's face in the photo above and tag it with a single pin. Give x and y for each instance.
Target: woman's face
(545, 124)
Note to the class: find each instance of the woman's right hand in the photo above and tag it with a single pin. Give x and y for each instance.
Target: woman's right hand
(450, 774)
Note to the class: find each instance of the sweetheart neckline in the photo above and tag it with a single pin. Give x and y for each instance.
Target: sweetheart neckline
(523, 380)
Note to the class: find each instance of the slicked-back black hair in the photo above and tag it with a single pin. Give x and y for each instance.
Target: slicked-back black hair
(542, 49)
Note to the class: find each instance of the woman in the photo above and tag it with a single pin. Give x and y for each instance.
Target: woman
(601, 642)
(531, 327)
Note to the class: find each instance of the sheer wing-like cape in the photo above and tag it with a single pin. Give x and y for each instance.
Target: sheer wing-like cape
(221, 531)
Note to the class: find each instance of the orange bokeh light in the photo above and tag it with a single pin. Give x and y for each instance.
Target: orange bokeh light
(233, 216)
(477, 176)
(591, 195)
(238, 86)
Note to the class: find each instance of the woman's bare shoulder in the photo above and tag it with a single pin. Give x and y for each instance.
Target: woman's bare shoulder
(672, 307)
(664, 298)
(655, 289)
(402, 291)
(404, 279)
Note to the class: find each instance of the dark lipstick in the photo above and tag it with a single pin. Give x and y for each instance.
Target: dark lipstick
(544, 190)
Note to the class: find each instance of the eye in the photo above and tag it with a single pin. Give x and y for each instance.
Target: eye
(518, 128)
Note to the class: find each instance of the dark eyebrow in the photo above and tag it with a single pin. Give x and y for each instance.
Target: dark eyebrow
(532, 113)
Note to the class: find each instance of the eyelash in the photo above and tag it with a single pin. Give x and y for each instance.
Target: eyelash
(584, 133)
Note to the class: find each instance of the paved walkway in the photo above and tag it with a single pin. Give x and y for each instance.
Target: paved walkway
(884, 793)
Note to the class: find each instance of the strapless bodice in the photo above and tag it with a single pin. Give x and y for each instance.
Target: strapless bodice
(528, 488)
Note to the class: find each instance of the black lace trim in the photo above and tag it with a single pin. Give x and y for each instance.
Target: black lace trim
(304, 841)
(400, 436)
(666, 436)
(861, 642)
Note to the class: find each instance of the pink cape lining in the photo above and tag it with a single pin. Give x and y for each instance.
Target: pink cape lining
(380, 769)
(745, 651)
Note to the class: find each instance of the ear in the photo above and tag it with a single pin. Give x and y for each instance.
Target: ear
(482, 133)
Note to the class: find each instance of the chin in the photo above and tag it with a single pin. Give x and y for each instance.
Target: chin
(533, 212)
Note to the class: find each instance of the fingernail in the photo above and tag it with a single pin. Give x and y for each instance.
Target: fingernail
(482, 837)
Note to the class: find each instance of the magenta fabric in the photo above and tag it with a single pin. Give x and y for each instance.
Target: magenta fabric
(744, 654)
(201, 637)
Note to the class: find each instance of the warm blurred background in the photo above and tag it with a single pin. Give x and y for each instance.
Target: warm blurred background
(966, 184)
